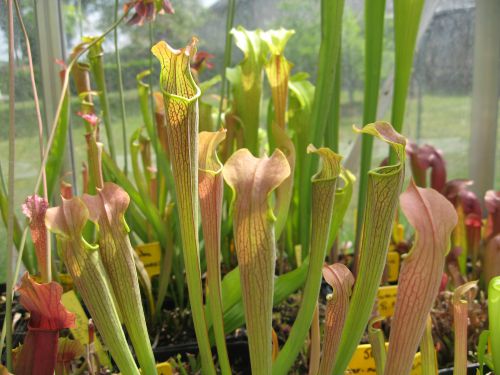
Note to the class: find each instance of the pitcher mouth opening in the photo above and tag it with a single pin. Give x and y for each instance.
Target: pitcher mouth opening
(176, 79)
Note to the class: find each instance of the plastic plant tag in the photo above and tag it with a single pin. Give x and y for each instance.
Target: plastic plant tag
(362, 362)
(150, 255)
(80, 332)
(393, 261)
(386, 296)
(164, 368)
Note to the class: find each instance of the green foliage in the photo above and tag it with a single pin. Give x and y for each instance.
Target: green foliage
(406, 22)
(352, 53)
(331, 32)
(310, 114)
(58, 151)
(494, 313)
(374, 24)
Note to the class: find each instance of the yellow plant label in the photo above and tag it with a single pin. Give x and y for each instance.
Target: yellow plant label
(398, 233)
(387, 300)
(150, 255)
(80, 331)
(393, 261)
(362, 362)
(164, 368)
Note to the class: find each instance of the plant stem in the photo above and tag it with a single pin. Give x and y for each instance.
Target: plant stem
(460, 325)
(48, 271)
(95, 57)
(151, 81)
(406, 22)
(331, 16)
(35, 94)
(428, 350)
(80, 17)
(332, 126)
(374, 24)
(120, 90)
(215, 305)
(12, 156)
(377, 341)
(460, 329)
(227, 57)
(28, 260)
(315, 346)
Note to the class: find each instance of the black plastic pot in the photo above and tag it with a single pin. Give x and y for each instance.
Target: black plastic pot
(237, 350)
(18, 334)
(471, 370)
(21, 327)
